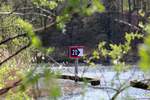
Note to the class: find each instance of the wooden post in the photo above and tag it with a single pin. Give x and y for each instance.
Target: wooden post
(76, 69)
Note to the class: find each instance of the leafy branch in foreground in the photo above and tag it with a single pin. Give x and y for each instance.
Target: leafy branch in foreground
(116, 52)
(28, 28)
(144, 51)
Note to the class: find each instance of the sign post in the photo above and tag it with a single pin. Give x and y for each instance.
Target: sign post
(76, 69)
(76, 52)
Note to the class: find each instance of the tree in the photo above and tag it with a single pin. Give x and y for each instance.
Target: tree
(21, 22)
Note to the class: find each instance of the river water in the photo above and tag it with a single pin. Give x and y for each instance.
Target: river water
(110, 81)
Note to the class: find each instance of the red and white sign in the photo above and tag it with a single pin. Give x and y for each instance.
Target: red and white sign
(75, 51)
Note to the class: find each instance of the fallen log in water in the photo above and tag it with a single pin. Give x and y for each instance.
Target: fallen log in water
(93, 82)
(140, 84)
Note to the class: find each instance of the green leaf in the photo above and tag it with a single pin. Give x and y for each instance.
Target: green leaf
(98, 5)
(46, 3)
(61, 20)
(116, 51)
(101, 45)
(96, 54)
(147, 28)
(91, 10)
(144, 53)
(52, 4)
(50, 50)
(36, 42)
(119, 67)
(74, 3)
(27, 27)
(55, 91)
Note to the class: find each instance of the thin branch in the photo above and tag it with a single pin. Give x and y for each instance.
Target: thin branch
(47, 11)
(11, 38)
(110, 88)
(122, 86)
(52, 59)
(24, 47)
(6, 89)
(129, 24)
(14, 9)
(105, 82)
(132, 74)
(84, 70)
(25, 8)
(47, 26)
(118, 92)
(22, 14)
(17, 52)
(24, 34)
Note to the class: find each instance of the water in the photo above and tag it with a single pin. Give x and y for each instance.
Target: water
(110, 80)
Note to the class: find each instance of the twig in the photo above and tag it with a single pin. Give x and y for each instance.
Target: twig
(11, 38)
(110, 88)
(52, 59)
(17, 52)
(47, 11)
(118, 92)
(84, 71)
(129, 24)
(120, 89)
(22, 14)
(5, 90)
(105, 83)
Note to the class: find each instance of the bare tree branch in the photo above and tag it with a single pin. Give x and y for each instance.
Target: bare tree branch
(17, 52)
(24, 34)
(130, 25)
(45, 27)
(22, 14)
(47, 11)
(110, 88)
(118, 92)
(6, 89)
(11, 38)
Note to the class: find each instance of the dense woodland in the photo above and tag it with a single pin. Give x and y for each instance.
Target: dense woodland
(114, 32)
(119, 17)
